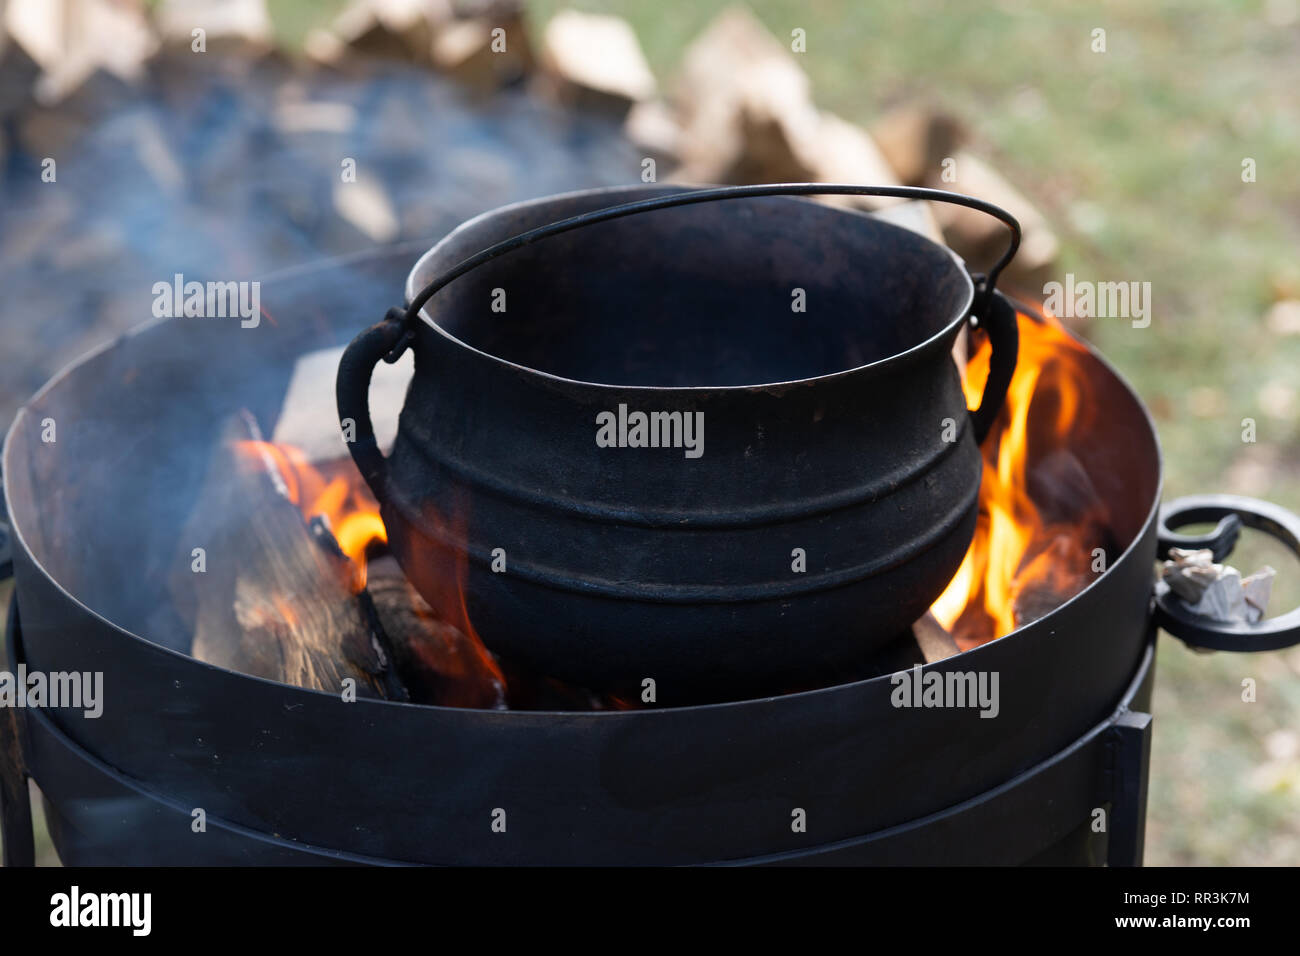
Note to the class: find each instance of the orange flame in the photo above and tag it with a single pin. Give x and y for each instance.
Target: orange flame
(1017, 551)
(470, 675)
(341, 499)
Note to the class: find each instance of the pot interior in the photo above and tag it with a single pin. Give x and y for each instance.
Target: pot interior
(738, 292)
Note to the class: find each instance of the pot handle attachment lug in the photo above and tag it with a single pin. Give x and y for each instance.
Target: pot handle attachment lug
(1232, 512)
(998, 319)
(385, 340)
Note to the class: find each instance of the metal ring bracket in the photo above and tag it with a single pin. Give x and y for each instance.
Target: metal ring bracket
(1176, 617)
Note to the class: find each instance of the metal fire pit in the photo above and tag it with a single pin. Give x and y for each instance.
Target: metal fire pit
(286, 775)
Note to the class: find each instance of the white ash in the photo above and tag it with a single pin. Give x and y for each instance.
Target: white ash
(1217, 591)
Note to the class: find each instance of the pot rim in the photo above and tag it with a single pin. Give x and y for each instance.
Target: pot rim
(943, 337)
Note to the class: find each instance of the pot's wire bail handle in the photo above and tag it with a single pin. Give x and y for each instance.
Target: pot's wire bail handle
(391, 337)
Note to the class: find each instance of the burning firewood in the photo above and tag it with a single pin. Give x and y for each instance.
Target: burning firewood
(438, 662)
(933, 638)
(274, 596)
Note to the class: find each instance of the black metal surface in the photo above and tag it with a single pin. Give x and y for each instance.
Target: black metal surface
(1220, 540)
(1045, 815)
(824, 431)
(15, 800)
(6, 541)
(1130, 739)
(1231, 511)
(418, 784)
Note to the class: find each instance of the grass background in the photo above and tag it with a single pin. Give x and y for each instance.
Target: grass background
(1135, 156)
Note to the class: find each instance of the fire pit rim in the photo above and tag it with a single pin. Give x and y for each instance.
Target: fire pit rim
(897, 360)
(527, 716)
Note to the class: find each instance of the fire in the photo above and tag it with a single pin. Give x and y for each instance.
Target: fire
(335, 494)
(447, 650)
(1040, 521)
(1026, 557)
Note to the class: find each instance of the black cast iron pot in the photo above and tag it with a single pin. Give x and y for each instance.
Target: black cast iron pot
(804, 481)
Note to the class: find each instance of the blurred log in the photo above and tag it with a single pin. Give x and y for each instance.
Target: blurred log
(475, 54)
(50, 128)
(383, 29)
(652, 127)
(594, 62)
(933, 638)
(18, 73)
(915, 140)
(277, 599)
(1283, 317)
(841, 152)
(736, 66)
(365, 206)
(437, 662)
(979, 239)
(230, 27)
(72, 40)
(748, 116)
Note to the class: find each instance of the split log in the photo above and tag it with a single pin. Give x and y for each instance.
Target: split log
(915, 139)
(276, 598)
(980, 239)
(383, 29)
(18, 74)
(840, 152)
(484, 53)
(15, 794)
(748, 116)
(439, 663)
(652, 126)
(933, 638)
(736, 67)
(74, 39)
(230, 28)
(594, 62)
